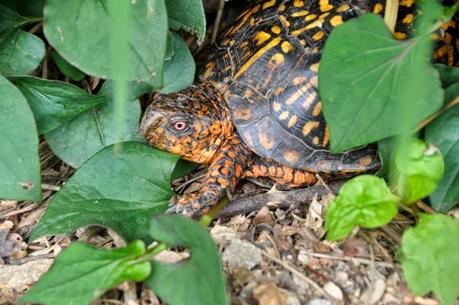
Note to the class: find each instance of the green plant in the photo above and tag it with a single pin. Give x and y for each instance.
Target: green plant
(381, 89)
(121, 183)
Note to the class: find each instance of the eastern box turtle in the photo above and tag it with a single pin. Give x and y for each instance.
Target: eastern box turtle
(255, 110)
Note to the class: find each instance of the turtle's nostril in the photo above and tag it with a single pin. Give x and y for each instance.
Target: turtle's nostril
(150, 121)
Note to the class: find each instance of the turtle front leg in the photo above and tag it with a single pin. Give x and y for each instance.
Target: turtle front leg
(223, 174)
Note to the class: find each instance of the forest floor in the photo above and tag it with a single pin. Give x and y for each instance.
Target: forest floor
(273, 255)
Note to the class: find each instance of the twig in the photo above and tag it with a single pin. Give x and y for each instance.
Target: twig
(49, 187)
(359, 260)
(425, 207)
(296, 272)
(432, 117)
(218, 19)
(282, 199)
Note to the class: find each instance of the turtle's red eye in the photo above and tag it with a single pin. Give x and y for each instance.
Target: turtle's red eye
(180, 125)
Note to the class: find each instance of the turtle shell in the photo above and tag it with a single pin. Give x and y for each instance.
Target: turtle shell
(266, 64)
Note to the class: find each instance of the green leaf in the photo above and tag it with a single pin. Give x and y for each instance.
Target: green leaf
(79, 139)
(26, 7)
(19, 164)
(10, 20)
(183, 168)
(20, 52)
(53, 102)
(121, 187)
(419, 168)
(386, 149)
(366, 201)
(66, 68)
(444, 133)
(82, 272)
(368, 81)
(429, 257)
(187, 15)
(70, 28)
(197, 281)
(178, 71)
(449, 77)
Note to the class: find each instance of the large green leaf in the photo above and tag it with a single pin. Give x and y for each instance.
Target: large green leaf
(54, 102)
(187, 15)
(366, 201)
(121, 187)
(373, 86)
(79, 139)
(20, 52)
(444, 133)
(82, 273)
(179, 70)
(197, 281)
(80, 32)
(19, 164)
(429, 257)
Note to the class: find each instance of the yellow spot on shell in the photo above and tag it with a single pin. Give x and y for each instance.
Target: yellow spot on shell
(343, 8)
(261, 37)
(326, 136)
(400, 35)
(336, 20)
(266, 141)
(317, 109)
(309, 126)
(408, 19)
(323, 16)
(298, 3)
(286, 46)
(282, 8)
(310, 17)
(300, 13)
(315, 140)
(277, 107)
(318, 36)
(296, 95)
(364, 161)
(406, 3)
(291, 156)
(317, 23)
(269, 4)
(276, 59)
(325, 6)
(308, 101)
(298, 80)
(255, 56)
(378, 8)
(275, 29)
(283, 115)
(292, 121)
(314, 67)
(284, 21)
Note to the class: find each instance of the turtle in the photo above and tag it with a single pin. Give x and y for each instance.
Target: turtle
(254, 110)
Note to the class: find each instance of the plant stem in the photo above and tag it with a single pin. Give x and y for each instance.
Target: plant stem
(390, 14)
(430, 118)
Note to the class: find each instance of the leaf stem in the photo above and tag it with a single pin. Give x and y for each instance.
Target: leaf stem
(390, 14)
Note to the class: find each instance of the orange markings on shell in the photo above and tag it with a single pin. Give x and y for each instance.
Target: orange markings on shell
(309, 126)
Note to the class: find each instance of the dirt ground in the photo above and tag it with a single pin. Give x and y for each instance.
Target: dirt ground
(273, 255)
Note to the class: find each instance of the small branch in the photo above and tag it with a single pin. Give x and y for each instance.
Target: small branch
(218, 19)
(282, 199)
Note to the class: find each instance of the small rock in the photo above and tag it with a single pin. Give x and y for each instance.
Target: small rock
(223, 235)
(303, 258)
(319, 302)
(170, 257)
(268, 294)
(240, 253)
(333, 290)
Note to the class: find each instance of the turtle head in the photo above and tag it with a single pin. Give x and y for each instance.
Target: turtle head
(189, 123)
